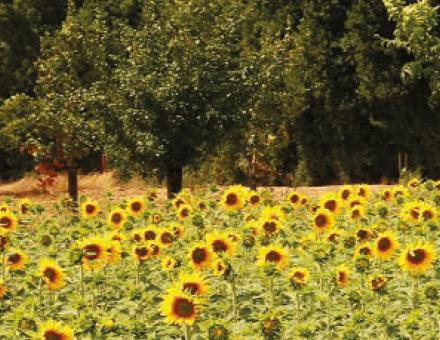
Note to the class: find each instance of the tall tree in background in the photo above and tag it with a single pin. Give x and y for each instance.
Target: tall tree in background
(179, 93)
(72, 71)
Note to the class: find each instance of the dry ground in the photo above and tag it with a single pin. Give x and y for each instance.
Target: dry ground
(96, 185)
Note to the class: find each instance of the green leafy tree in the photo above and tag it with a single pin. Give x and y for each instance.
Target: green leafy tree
(179, 94)
(72, 71)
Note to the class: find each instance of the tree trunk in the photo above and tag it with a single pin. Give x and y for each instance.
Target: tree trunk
(174, 175)
(72, 181)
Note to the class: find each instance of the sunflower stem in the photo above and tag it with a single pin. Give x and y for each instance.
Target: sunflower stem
(3, 264)
(81, 280)
(187, 330)
(272, 290)
(234, 296)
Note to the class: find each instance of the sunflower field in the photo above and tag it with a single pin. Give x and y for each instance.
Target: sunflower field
(355, 263)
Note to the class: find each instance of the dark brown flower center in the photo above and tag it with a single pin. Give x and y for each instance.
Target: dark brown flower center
(14, 258)
(330, 205)
(342, 277)
(136, 206)
(199, 255)
(231, 199)
(273, 256)
(184, 212)
(270, 227)
(92, 251)
(3, 241)
(191, 287)
(166, 238)
(53, 335)
(219, 246)
(384, 244)
(50, 273)
(117, 218)
(150, 235)
(155, 249)
(365, 251)
(427, 215)
(363, 234)
(141, 252)
(299, 275)
(320, 221)
(90, 209)
(355, 213)
(345, 194)
(183, 308)
(294, 199)
(414, 214)
(377, 283)
(417, 256)
(179, 202)
(254, 199)
(5, 222)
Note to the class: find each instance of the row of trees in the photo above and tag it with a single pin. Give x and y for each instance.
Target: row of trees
(316, 90)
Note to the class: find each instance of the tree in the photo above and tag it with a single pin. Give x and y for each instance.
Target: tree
(179, 93)
(72, 70)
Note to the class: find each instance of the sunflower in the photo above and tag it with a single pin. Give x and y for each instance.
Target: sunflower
(141, 252)
(386, 245)
(51, 273)
(136, 206)
(323, 220)
(356, 213)
(364, 234)
(274, 213)
(152, 195)
(137, 235)
(178, 201)
(193, 283)
(150, 233)
(24, 206)
(53, 330)
(94, 252)
(4, 208)
(16, 259)
(113, 252)
(166, 238)
(400, 191)
(178, 230)
(414, 183)
(200, 256)
(8, 221)
(387, 195)
(342, 276)
(156, 218)
(356, 201)
(334, 235)
(202, 205)
(117, 218)
(294, 199)
(330, 201)
(364, 250)
(3, 289)
(273, 255)
(233, 197)
(411, 213)
(377, 282)
(254, 198)
(154, 249)
(345, 193)
(220, 243)
(179, 307)
(417, 258)
(268, 227)
(220, 268)
(89, 209)
(299, 276)
(116, 236)
(363, 190)
(184, 212)
(4, 240)
(428, 212)
(168, 263)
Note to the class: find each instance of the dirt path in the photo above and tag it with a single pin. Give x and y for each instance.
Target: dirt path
(96, 185)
